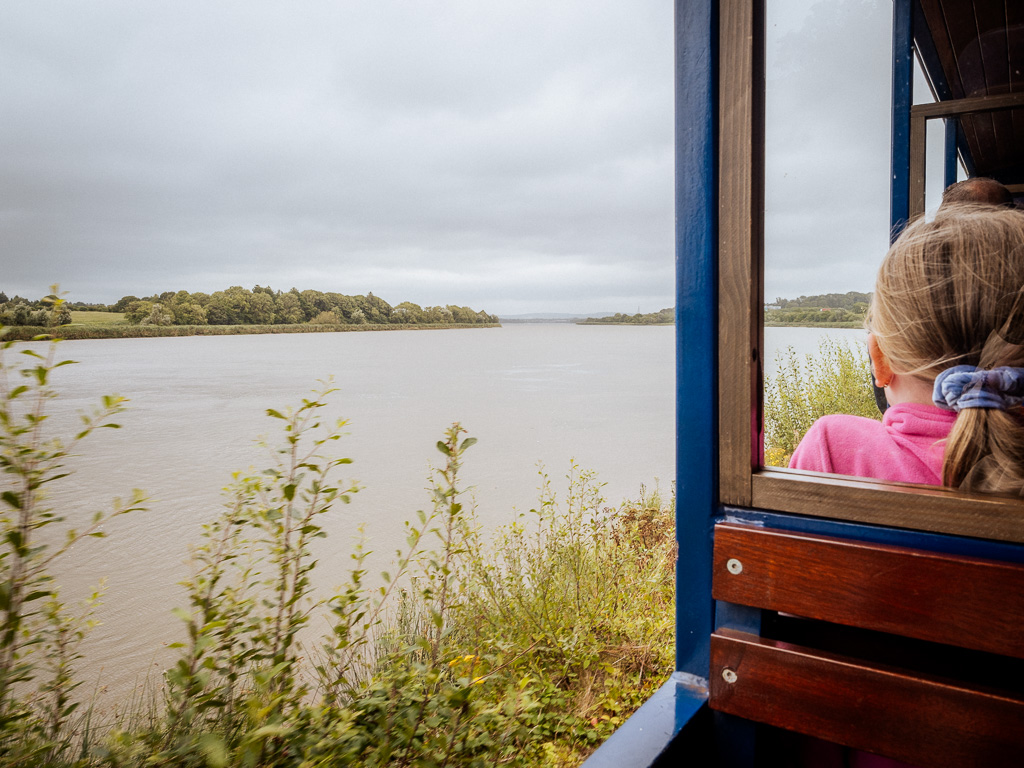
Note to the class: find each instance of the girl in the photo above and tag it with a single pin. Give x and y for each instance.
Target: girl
(946, 340)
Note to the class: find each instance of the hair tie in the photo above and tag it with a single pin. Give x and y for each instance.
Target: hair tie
(964, 386)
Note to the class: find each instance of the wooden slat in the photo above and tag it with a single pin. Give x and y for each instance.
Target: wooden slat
(908, 592)
(935, 20)
(920, 720)
(995, 58)
(741, 273)
(968, 106)
(918, 507)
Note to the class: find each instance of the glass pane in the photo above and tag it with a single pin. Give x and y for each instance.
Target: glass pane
(827, 139)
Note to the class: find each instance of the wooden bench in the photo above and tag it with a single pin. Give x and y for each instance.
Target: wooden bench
(906, 653)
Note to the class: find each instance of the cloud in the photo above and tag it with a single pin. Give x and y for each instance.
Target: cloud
(345, 147)
(827, 146)
(501, 154)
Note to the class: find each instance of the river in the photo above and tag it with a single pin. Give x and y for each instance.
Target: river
(533, 394)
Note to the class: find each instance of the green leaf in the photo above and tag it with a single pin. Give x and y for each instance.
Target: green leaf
(469, 441)
(12, 499)
(443, 448)
(182, 614)
(275, 414)
(289, 491)
(214, 750)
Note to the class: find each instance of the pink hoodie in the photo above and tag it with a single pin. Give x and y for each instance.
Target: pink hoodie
(905, 447)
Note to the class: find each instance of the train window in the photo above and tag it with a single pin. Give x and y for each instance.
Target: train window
(804, 196)
(826, 210)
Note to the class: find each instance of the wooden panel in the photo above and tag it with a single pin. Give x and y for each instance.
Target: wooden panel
(920, 720)
(940, 598)
(919, 507)
(936, 22)
(741, 273)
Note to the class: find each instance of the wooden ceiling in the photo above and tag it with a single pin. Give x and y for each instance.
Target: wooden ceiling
(975, 48)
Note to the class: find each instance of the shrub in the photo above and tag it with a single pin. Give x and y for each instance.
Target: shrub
(837, 380)
(39, 634)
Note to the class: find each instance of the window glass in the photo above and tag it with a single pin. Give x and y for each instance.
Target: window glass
(827, 156)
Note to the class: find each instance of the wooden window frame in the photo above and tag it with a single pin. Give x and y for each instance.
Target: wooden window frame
(743, 480)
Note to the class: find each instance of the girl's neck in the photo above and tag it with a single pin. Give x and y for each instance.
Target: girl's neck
(904, 388)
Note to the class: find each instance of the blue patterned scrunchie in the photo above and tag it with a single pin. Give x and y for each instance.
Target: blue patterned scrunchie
(964, 386)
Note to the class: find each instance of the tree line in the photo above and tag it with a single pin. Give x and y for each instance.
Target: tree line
(20, 311)
(850, 301)
(661, 317)
(259, 306)
(846, 309)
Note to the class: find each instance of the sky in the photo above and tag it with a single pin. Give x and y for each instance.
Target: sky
(512, 156)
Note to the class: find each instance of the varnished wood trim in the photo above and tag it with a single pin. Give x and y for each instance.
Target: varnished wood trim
(899, 505)
(740, 243)
(915, 718)
(930, 596)
(973, 105)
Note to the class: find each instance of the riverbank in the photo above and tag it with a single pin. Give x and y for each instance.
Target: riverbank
(75, 332)
(593, 322)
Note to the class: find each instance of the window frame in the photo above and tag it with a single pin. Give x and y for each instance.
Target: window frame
(743, 480)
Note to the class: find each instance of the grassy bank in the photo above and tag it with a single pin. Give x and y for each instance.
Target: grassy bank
(113, 330)
(519, 647)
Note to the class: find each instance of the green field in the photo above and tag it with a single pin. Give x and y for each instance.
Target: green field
(96, 318)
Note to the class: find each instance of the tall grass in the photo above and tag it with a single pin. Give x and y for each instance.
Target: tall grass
(836, 380)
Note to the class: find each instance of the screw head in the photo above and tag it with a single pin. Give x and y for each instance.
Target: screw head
(734, 566)
(729, 676)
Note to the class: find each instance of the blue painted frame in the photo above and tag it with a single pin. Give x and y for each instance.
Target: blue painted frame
(902, 101)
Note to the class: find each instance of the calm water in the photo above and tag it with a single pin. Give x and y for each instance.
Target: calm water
(530, 393)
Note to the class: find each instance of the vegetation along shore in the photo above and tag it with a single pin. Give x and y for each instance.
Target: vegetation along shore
(828, 310)
(234, 310)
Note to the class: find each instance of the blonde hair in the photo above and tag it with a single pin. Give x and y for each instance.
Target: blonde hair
(951, 292)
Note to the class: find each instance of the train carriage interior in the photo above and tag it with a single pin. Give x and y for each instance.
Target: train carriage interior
(885, 619)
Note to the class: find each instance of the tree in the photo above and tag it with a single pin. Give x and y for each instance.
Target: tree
(407, 312)
(261, 309)
(122, 304)
(189, 313)
(325, 318)
(136, 311)
(158, 315)
(288, 309)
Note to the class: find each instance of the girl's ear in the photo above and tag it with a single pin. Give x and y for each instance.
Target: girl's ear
(879, 363)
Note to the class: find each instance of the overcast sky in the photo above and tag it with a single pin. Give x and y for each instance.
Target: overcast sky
(513, 156)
